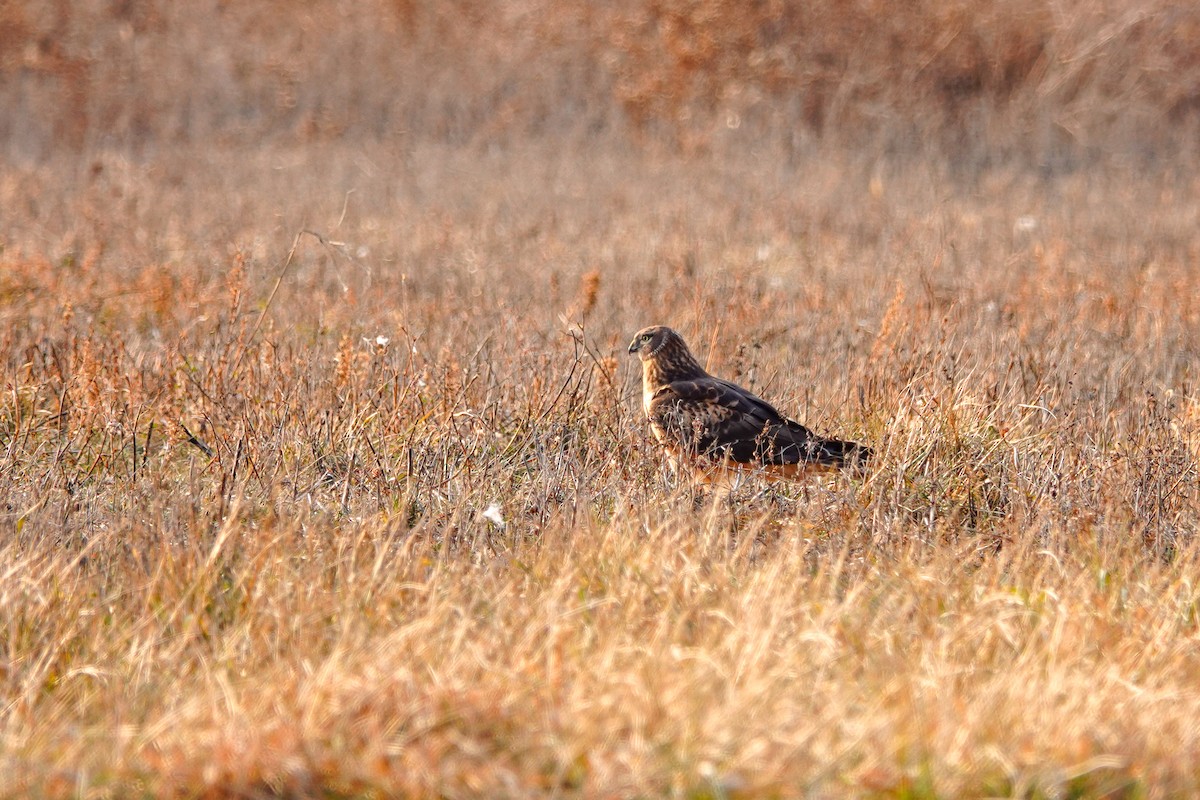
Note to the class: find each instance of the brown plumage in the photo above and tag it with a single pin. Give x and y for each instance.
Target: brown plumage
(719, 430)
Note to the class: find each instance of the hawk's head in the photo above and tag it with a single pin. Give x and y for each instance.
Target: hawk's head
(650, 341)
(666, 349)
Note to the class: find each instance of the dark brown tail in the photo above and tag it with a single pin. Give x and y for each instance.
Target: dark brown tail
(792, 443)
(840, 454)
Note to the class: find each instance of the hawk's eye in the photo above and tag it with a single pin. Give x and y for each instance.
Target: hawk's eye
(645, 337)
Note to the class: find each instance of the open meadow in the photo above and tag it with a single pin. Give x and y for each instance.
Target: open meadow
(323, 471)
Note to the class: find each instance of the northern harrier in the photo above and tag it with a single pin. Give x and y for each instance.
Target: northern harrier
(718, 429)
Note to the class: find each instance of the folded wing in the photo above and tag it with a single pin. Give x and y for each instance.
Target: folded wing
(711, 417)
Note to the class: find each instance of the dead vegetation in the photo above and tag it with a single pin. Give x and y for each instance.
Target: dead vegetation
(321, 470)
(1058, 84)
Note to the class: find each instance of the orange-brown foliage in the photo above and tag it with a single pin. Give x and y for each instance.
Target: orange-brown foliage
(1029, 76)
(322, 469)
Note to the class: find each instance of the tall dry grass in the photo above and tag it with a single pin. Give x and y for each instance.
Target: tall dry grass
(1056, 84)
(251, 548)
(321, 466)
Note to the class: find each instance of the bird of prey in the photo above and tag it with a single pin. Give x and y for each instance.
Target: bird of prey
(717, 429)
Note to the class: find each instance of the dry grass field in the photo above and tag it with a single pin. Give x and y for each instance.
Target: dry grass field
(322, 471)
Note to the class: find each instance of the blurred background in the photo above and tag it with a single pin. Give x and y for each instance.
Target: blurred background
(1050, 84)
